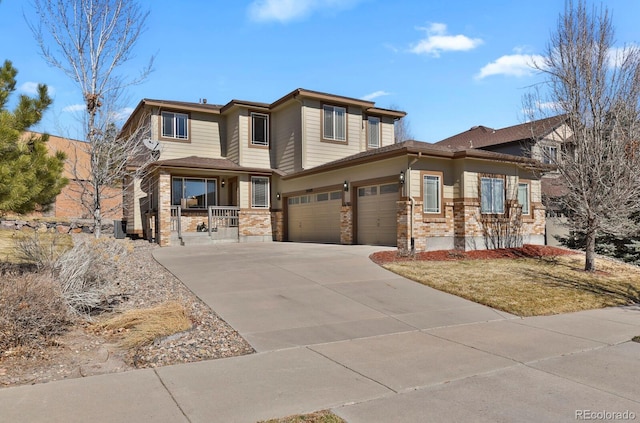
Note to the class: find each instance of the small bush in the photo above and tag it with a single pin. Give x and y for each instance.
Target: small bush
(31, 310)
(41, 250)
(87, 274)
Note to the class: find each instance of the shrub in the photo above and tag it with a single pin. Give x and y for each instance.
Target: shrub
(87, 275)
(31, 310)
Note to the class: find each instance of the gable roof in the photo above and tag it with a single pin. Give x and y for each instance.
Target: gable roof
(204, 107)
(483, 136)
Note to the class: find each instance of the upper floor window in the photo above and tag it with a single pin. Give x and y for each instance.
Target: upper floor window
(492, 195)
(334, 123)
(259, 129)
(523, 197)
(549, 155)
(432, 194)
(174, 125)
(260, 192)
(373, 132)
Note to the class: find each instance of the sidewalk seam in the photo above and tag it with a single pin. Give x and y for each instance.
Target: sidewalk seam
(352, 370)
(155, 371)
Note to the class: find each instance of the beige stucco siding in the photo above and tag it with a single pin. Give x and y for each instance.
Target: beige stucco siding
(316, 151)
(388, 131)
(433, 165)
(286, 127)
(233, 136)
(204, 137)
(250, 156)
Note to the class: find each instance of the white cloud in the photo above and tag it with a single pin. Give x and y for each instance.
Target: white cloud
(375, 95)
(288, 10)
(511, 65)
(122, 114)
(439, 41)
(29, 88)
(74, 108)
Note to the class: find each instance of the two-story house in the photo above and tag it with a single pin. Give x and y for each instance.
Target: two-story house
(317, 167)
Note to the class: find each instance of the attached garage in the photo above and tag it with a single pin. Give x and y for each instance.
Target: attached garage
(377, 214)
(315, 217)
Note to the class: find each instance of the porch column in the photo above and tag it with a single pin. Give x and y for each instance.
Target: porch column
(346, 225)
(404, 226)
(164, 208)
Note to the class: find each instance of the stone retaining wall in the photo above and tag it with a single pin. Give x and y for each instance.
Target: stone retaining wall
(62, 226)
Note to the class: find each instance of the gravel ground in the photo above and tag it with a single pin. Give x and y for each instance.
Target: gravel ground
(83, 351)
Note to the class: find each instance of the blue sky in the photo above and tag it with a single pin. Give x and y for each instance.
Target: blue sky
(449, 64)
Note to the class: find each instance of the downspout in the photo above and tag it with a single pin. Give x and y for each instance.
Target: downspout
(413, 201)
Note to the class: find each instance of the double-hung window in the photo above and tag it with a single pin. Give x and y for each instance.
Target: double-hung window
(259, 192)
(175, 125)
(373, 132)
(194, 193)
(549, 155)
(259, 129)
(334, 123)
(523, 197)
(492, 193)
(432, 194)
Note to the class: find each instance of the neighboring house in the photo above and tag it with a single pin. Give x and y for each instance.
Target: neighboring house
(317, 167)
(68, 203)
(540, 139)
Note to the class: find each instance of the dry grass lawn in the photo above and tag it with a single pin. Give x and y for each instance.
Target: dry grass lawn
(8, 238)
(139, 327)
(530, 286)
(317, 417)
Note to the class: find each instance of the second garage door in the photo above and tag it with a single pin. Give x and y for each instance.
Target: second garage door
(315, 217)
(377, 214)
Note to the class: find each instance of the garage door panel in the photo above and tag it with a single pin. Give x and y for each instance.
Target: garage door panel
(314, 218)
(377, 215)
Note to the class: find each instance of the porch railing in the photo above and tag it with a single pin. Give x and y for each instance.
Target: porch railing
(176, 217)
(222, 217)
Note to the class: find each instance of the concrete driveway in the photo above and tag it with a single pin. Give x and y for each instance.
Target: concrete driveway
(335, 331)
(290, 294)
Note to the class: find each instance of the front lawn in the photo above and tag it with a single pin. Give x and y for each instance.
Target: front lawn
(525, 282)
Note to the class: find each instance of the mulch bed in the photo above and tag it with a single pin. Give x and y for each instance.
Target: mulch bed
(527, 251)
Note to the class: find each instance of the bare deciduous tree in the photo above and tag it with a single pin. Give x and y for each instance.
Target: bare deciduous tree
(90, 41)
(597, 86)
(402, 130)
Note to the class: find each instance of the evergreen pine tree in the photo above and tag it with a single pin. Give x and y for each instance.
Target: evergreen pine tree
(29, 176)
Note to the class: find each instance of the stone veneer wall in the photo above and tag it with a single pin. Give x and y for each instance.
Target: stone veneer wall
(537, 225)
(277, 225)
(255, 225)
(429, 233)
(164, 208)
(346, 225)
(467, 227)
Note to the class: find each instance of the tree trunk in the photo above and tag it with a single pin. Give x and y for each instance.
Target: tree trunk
(590, 252)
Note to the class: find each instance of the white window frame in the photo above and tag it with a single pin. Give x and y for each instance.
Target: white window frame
(526, 207)
(496, 191)
(183, 181)
(174, 116)
(549, 154)
(334, 117)
(254, 203)
(373, 128)
(438, 196)
(265, 142)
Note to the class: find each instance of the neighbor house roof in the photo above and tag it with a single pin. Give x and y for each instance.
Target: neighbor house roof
(419, 148)
(483, 136)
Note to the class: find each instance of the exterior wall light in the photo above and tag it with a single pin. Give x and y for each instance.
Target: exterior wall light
(345, 185)
(222, 183)
(278, 196)
(401, 179)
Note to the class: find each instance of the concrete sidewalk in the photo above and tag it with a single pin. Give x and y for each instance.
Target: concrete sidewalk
(333, 330)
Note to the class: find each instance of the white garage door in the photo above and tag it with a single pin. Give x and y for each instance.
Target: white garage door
(377, 214)
(315, 217)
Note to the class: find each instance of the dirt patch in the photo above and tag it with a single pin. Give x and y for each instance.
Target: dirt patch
(86, 349)
(527, 251)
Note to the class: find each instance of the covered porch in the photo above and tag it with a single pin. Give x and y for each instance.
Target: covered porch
(201, 201)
